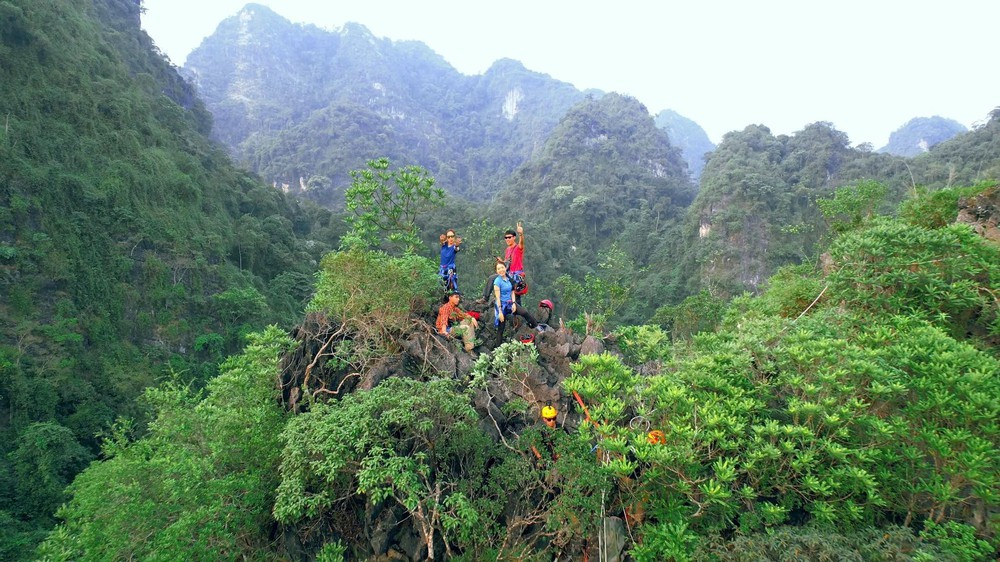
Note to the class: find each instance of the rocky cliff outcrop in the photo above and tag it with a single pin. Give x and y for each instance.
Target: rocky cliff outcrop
(507, 402)
(982, 213)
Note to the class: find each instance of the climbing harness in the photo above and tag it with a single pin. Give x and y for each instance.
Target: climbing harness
(449, 278)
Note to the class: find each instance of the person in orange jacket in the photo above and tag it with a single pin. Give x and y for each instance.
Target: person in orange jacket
(453, 321)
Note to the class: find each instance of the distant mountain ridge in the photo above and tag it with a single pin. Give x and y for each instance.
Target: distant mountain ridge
(607, 176)
(689, 137)
(303, 106)
(919, 134)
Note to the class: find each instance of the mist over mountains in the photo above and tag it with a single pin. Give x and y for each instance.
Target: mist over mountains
(303, 106)
(919, 134)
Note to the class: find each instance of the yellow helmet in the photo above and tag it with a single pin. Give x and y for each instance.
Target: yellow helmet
(549, 413)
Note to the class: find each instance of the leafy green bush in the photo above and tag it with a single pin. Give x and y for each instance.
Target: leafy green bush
(672, 541)
(852, 205)
(508, 362)
(956, 542)
(331, 552)
(792, 291)
(200, 485)
(949, 275)
(358, 287)
(837, 420)
(373, 297)
(936, 209)
(640, 344)
(698, 313)
(410, 443)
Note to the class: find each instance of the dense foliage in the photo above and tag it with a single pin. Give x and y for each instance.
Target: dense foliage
(850, 413)
(199, 485)
(411, 443)
(846, 409)
(130, 246)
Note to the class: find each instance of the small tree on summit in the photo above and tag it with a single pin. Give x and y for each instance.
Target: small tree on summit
(384, 205)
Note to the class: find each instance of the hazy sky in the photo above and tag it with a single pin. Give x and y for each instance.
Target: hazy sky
(867, 66)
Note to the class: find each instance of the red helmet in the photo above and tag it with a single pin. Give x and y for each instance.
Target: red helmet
(521, 288)
(545, 304)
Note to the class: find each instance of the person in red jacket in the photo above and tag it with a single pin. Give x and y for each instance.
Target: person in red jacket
(513, 262)
(513, 256)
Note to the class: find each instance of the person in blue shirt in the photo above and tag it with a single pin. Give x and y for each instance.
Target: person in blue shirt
(450, 246)
(504, 305)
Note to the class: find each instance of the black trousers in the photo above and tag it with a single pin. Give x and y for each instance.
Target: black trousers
(519, 312)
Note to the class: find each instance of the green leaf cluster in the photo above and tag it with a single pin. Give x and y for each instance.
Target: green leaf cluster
(383, 203)
(407, 442)
(126, 235)
(949, 276)
(199, 485)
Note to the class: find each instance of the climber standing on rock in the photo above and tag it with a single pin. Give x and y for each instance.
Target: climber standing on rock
(504, 305)
(513, 261)
(450, 247)
(514, 254)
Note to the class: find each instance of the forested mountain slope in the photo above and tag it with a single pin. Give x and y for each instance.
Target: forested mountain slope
(965, 159)
(846, 413)
(607, 180)
(756, 208)
(689, 137)
(130, 246)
